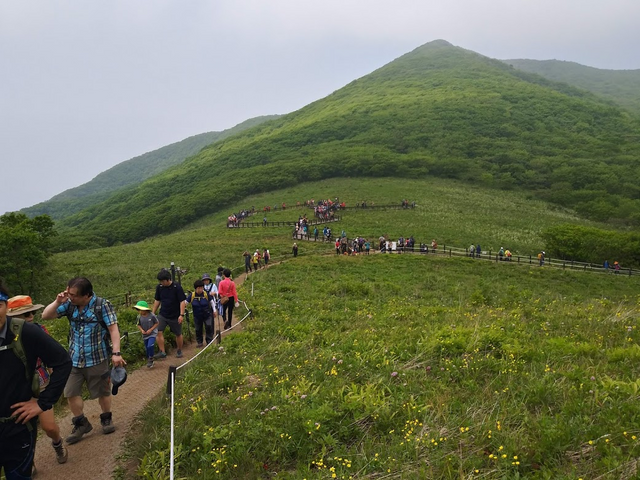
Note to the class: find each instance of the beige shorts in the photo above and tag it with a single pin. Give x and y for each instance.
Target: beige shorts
(97, 379)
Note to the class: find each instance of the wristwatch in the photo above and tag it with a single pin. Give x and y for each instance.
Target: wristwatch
(116, 354)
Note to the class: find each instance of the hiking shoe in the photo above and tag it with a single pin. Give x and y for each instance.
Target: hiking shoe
(81, 426)
(160, 355)
(61, 452)
(199, 345)
(150, 363)
(105, 421)
(179, 354)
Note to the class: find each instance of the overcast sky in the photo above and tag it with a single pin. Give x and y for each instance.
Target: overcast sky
(89, 84)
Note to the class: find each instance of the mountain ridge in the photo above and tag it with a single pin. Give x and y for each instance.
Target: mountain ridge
(437, 111)
(620, 86)
(132, 171)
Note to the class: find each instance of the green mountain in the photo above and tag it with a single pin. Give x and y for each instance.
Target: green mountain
(437, 111)
(132, 172)
(620, 86)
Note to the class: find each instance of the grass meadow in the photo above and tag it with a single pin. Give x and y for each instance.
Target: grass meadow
(408, 366)
(391, 366)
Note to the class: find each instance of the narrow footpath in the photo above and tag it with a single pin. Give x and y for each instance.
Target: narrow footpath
(95, 456)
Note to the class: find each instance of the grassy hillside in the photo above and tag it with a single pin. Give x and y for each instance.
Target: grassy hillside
(450, 211)
(404, 366)
(132, 172)
(438, 111)
(621, 86)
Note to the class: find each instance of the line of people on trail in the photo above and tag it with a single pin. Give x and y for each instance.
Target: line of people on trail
(358, 245)
(37, 370)
(256, 261)
(234, 219)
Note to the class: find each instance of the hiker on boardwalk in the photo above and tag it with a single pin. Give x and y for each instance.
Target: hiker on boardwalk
(434, 246)
(472, 250)
(204, 311)
(227, 289)
(147, 323)
(508, 255)
(294, 249)
(22, 307)
(93, 324)
(478, 251)
(172, 302)
(501, 253)
(21, 344)
(616, 268)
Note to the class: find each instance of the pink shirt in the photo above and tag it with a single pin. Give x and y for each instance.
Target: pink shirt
(228, 289)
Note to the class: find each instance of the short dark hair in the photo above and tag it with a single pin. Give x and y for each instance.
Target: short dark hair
(220, 269)
(227, 272)
(164, 274)
(198, 283)
(83, 285)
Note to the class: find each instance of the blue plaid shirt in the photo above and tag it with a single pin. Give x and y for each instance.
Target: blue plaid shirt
(87, 337)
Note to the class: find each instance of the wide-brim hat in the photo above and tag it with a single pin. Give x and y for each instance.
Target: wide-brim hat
(20, 304)
(142, 305)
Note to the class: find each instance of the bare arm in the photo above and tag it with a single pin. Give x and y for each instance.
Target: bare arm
(49, 312)
(114, 333)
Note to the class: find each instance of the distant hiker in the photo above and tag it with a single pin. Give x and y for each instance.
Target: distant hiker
(247, 262)
(616, 268)
(267, 256)
(22, 307)
(367, 247)
(472, 250)
(501, 253)
(478, 251)
(255, 260)
(294, 249)
(605, 265)
(172, 302)
(338, 247)
(21, 344)
(541, 258)
(315, 233)
(434, 246)
(219, 276)
(148, 325)
(93, 323)
(204, 310)
(507, 255)
(228, 297)
(264, 222)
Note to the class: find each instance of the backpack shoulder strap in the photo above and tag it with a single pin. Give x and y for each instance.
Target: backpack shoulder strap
(16, 345)
(97, 310)
(18, 350)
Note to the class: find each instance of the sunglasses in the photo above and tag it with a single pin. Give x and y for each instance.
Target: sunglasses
(28, 314)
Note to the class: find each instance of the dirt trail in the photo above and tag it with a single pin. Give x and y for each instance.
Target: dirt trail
(95, 455)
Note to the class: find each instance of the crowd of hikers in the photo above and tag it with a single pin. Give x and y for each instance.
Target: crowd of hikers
(235, 218)
(256, 260)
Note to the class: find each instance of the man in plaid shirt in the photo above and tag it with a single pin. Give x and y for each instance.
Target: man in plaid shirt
(93, 325)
